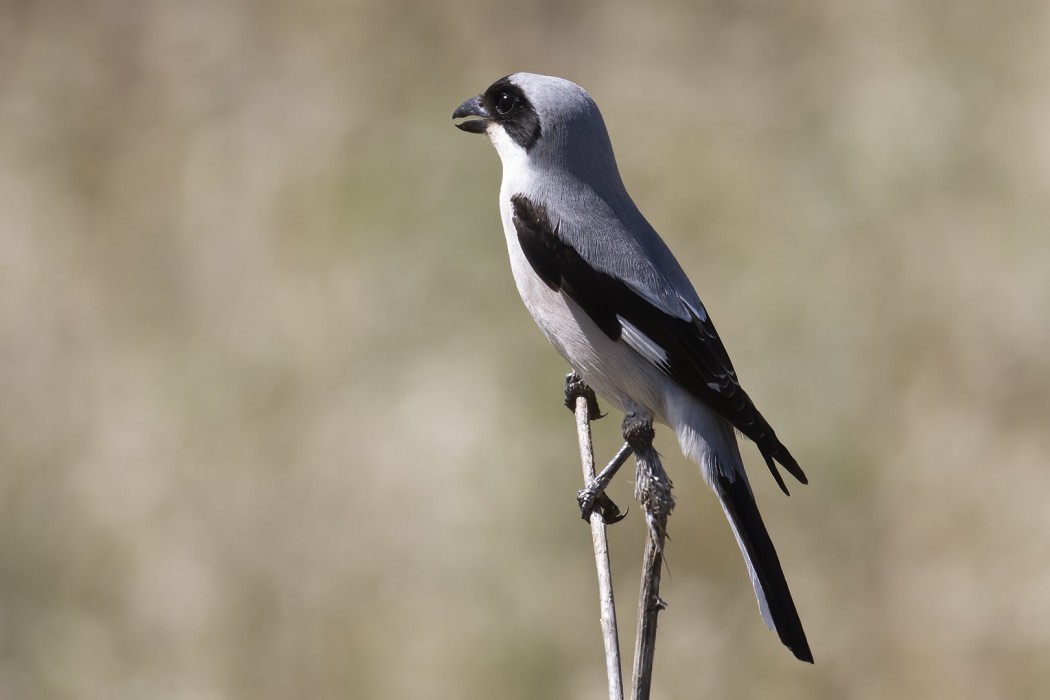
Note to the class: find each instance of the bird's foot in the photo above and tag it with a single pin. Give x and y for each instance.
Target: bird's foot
(593, 496)
(575, 388)
(591, 500)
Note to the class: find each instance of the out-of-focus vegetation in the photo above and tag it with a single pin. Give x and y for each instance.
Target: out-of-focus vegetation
(273, 423)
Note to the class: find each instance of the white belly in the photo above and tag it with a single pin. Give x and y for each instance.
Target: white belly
(619, 374)
(612, 368)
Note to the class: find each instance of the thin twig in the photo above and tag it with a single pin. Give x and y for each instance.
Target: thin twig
(653, 492)
(582, 409)
(649, 605)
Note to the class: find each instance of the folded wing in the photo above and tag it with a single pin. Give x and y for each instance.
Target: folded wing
(643, 310)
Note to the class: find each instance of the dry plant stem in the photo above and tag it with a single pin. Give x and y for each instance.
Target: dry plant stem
(653, 491)
(601, 551)
(649, 605)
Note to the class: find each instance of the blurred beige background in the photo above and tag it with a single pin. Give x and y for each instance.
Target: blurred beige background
(273, 423)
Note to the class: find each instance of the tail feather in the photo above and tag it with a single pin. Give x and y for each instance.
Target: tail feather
(774, 451)
(767, 576)
(711, 442)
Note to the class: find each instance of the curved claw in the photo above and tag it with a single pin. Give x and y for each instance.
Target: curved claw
(590, 501)
(609, 511)
(575, 387)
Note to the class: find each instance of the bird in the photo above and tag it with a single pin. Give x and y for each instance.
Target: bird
(612, 299)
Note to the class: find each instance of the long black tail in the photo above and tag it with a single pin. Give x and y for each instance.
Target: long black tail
(767, 576)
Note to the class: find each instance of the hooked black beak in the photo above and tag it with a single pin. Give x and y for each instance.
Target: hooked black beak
(472, 108)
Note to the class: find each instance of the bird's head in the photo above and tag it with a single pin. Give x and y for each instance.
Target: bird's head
(548, 122)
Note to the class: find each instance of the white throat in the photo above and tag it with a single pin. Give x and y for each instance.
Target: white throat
(514, 157)
(515, 170)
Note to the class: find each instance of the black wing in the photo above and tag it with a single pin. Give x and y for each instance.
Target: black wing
(693, 353)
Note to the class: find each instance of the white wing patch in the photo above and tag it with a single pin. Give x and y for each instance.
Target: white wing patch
(642, 344)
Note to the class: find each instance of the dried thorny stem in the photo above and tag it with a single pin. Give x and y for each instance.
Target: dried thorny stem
(585, 406)
(653, 492)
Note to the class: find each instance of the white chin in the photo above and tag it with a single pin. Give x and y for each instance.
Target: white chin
(509, 151)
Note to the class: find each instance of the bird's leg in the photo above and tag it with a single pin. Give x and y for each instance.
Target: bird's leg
(593, 495)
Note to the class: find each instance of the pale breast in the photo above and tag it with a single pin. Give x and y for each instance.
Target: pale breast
(613, 369)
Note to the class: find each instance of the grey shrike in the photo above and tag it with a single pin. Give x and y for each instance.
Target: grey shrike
(610, 296)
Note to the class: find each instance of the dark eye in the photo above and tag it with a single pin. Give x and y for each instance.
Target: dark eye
(506, 103)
